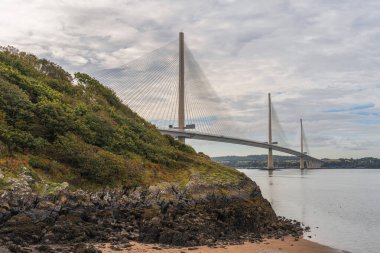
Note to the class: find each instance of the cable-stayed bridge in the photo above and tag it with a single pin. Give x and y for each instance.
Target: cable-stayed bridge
(168, 88)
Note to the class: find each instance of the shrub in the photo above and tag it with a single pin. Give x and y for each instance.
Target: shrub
(38, 163)
(92, 163)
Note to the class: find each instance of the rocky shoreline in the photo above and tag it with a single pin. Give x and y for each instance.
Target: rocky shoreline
(164, 215)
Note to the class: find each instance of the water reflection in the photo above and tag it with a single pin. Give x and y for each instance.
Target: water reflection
(343, 204)
(270, 180)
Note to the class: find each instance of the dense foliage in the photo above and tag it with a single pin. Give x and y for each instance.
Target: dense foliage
(366, 162)
(82, 132)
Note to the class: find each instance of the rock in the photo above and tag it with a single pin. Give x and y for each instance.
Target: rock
(16, 248)
(116, 216)
(80, 248)
(83, 248)
(127, 245)
(44, 248)
(62, 187)
(114, 247)
(155, 221)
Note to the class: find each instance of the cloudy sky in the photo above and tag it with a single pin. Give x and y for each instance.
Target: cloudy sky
(320, 59)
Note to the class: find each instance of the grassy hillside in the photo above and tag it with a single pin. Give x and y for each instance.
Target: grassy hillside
(74, 129)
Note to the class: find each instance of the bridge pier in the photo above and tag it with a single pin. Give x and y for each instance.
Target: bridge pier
(270, 159)
(270, 151)
(181, 88)
(313, 164)
(302, 162)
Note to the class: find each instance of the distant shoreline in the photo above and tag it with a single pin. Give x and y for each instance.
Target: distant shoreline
(291, 162)
(254, 168)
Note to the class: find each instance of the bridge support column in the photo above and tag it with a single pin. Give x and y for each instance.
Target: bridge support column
(302, 162)
(270, 151)
(270, 159)
(181, 83)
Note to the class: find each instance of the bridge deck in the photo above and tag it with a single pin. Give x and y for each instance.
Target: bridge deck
(226, 139)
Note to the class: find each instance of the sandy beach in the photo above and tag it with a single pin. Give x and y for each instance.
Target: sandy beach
(288, 245)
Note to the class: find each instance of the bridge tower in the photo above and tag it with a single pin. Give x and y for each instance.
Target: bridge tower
(181, 83)
(302, 162)
(270, 151)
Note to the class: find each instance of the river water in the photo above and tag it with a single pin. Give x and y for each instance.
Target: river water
(341, 206)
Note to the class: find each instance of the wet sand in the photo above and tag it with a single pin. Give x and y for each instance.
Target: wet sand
(289, 245)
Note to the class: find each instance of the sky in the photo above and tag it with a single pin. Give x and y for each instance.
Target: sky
(319, 59)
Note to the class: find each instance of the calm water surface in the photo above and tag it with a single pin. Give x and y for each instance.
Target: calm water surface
(341, 206)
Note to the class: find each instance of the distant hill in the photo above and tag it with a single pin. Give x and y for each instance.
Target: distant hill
(366, 162)
(257, 161)
(260, 161)
(74, 129)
